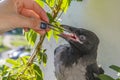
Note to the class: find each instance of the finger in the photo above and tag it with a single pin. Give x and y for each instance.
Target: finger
(41, 12)
(30, 13)
(22, 21)
(32, 5)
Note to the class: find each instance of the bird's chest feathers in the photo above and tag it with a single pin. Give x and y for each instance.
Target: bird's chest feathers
(71, 66)
(77, 71)
(76, 67)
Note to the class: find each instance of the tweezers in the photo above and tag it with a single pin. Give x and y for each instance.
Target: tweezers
(45, 25)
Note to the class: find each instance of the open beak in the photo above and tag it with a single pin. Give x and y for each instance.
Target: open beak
(69, 33)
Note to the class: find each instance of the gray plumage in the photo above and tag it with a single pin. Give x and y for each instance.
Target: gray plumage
(77, 60)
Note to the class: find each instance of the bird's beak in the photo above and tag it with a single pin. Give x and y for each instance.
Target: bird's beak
(69, 33)
(67, 30)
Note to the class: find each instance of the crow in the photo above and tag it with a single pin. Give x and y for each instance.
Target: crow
(77, 60)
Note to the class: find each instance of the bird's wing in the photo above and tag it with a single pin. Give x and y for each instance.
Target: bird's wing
(93, 71)
(59, 68)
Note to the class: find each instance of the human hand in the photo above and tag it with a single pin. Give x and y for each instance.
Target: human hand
(22, 13)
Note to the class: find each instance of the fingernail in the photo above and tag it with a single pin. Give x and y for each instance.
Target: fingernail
(43, 25)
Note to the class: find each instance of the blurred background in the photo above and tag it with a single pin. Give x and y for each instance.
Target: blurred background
(13, 45)
(99, 16)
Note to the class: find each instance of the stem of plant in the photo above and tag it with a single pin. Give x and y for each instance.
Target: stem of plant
(57, 10)
(39, 45)
(37, 49)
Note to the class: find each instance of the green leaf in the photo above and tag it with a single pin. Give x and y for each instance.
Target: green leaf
(59, 30)
(44, 59)
(24, 59)
(55, 34)
(40, 2)
(31, 37)
(116, 68)
(4, 68)
(105, 77)
(51, 3)
(44, 50)
(4, 78)
(65, 4)
(69, 2)
(49, 34)
(7, 74)
(38, 72)
(50, 17)
(13, 62)
(39, 56)
(79, 0)
(118, 79)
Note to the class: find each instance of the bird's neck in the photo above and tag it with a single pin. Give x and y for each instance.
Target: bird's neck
(75, 51)
(79, 53)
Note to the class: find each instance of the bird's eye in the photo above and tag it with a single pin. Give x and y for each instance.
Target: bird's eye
(82, 37)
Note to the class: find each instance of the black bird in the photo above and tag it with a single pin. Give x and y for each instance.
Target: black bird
(77, 60)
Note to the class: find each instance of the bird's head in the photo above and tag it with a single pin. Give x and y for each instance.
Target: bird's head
(80, 39)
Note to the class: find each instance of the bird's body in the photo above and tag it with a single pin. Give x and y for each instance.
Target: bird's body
(71, 68)
(72, 63)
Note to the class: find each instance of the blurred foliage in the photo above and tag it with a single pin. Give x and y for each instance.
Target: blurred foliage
(107, 77)
(42, 57)
(31, 37)
(20, 69)
(16, 69)
(3, 48)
